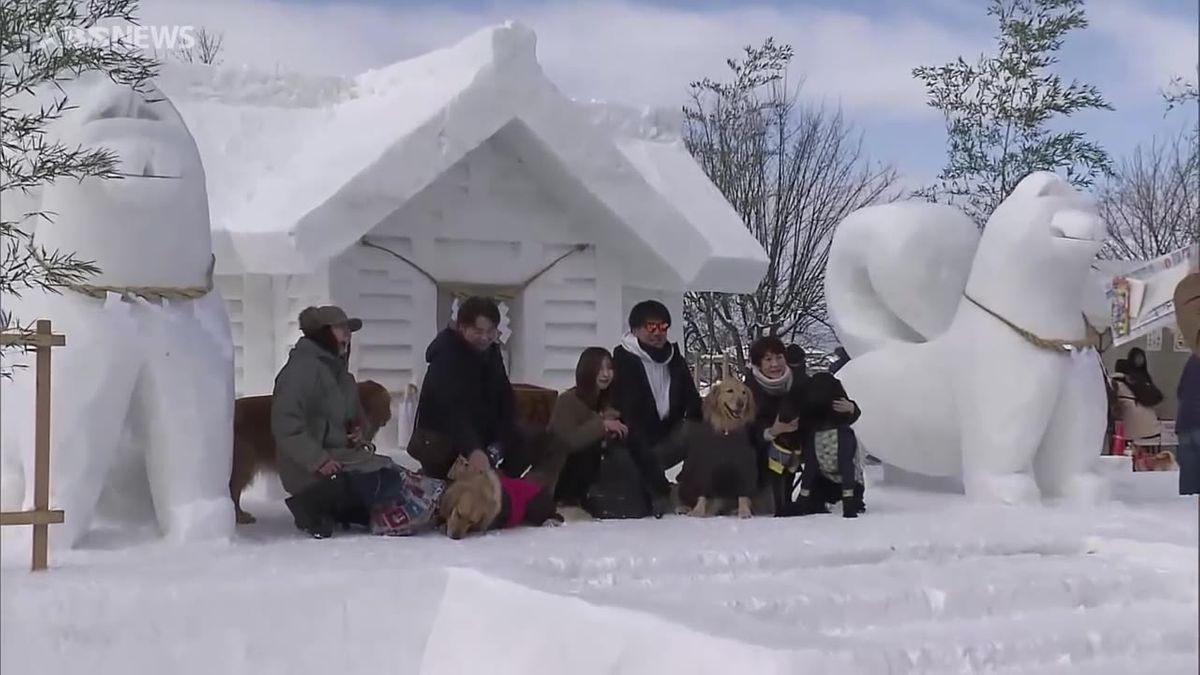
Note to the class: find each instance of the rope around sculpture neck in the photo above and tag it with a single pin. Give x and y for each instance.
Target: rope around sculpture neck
(1050, 344)
(152, 293)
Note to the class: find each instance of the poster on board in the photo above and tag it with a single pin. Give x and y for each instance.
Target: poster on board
(1141, 300)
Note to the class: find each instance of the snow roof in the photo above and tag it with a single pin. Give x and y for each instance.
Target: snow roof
(300, 167)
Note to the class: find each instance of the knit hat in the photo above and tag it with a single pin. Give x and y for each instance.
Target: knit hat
(313, 319)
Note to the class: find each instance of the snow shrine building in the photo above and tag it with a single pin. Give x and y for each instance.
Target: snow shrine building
(464, 171)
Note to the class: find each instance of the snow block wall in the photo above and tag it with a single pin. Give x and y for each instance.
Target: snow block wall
(489, 223)
(392, 299)
(322, 624)
(557, 634)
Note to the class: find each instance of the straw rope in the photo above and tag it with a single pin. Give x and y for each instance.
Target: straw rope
(147, 292)
(1050, 344)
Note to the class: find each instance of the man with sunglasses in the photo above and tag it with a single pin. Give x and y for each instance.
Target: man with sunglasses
(467, 407)
(655, 393)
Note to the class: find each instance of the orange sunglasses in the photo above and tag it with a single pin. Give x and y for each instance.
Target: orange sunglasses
(656, 326)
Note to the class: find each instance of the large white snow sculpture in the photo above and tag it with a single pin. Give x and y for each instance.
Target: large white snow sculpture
(959, 341)
(150, 365)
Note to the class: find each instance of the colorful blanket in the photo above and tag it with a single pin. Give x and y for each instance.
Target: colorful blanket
(413, 510)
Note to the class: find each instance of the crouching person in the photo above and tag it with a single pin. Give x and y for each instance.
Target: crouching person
(326, 460)
(597, 472)
(832, 466)
(467, 407)
(656, 396)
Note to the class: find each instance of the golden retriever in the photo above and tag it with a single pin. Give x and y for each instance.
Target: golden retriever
(721, 463)
(472, 501)
(479, 501)
(254, 445)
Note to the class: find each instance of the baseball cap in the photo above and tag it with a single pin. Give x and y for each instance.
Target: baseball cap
(313, 319)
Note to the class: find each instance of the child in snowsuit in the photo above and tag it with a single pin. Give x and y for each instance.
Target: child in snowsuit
(830, 446)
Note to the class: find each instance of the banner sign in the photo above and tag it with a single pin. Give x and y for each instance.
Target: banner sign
(1142, 298)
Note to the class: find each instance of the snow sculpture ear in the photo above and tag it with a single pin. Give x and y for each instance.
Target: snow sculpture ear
(1044, 184)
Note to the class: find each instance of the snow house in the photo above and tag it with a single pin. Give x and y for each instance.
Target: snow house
(464, 171)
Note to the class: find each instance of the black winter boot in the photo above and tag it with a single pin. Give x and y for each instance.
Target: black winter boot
(851, 506)
(811, 504)
(859, 494)
(314, 510)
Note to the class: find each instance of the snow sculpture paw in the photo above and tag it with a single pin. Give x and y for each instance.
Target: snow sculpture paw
(1017, 488)
(1085, 489)
(200, 520)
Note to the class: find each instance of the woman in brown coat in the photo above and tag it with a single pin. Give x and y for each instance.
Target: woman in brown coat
(594, 466)
(581, 425)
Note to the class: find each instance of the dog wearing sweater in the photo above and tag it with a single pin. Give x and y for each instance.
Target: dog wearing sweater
(721, 465)
(478, 501)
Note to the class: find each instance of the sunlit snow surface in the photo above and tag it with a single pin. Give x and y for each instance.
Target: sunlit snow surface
(923, 583)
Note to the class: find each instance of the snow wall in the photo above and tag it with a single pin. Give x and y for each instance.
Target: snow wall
(440, 622)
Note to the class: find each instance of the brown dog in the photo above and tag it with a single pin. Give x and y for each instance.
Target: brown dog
(480, 501)
(721, 464)
(472, 501)
(254, 446)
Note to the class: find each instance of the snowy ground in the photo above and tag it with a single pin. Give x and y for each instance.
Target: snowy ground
(924, 583)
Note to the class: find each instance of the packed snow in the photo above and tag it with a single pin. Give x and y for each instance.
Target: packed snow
(300, 167)
(923, 583)
(144, 382)
(946, 353)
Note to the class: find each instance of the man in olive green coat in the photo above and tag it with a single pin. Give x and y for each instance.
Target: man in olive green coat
(319, 427)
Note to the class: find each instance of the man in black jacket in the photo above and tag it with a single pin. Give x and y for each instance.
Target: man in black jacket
(655, 393)
(467, 407)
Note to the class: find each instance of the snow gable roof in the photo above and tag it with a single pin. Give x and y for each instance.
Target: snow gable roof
(301, 167)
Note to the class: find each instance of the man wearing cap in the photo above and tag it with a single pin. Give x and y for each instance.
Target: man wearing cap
(656, 395)
(324, 455)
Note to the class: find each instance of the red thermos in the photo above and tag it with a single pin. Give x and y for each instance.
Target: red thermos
(1118, 438)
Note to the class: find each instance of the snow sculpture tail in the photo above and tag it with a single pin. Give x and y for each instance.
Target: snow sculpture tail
(896, 273)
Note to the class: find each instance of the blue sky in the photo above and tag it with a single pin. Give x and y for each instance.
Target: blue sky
(853, 53)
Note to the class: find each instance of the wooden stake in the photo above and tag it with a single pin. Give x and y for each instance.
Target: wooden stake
(43, 340)
(41, 462)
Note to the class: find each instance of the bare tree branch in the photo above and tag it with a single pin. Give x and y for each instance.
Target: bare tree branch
(207, 49)
(1151, 204)
(1180, 92)
(792, 172)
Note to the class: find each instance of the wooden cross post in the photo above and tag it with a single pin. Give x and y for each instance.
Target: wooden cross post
(41, 517)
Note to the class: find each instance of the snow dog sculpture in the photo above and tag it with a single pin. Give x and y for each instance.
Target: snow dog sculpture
(145, 383)
(970, 351)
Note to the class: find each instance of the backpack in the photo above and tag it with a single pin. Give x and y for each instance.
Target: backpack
(618, 491)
